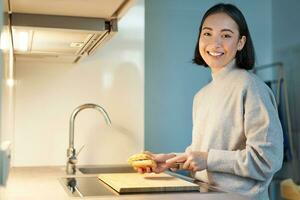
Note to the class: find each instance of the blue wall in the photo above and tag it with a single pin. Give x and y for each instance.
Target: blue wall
(286, 49)
(171, 80)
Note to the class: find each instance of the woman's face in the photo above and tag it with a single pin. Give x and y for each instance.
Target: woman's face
(219, 40)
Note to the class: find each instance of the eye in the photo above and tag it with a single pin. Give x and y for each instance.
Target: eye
(226, 36)
(206, 34)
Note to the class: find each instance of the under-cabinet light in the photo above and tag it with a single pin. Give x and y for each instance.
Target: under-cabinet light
(21, 39)
(10, 82)
(4, 41)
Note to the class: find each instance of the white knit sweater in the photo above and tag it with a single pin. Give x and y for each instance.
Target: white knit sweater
(235, 120)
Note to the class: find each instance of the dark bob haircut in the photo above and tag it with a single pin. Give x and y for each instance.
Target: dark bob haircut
(245, 58)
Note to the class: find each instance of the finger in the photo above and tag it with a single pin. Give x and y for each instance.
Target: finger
(156, 170)
(153, 167)
(159, 169)
(186, 164)
(196, 167)
(193, 166)
(180, 158)
(148, 170)
(160, 157)
(140, 170)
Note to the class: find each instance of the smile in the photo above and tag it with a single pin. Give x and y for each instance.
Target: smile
(215, 53)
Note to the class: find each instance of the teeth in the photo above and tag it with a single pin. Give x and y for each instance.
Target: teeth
(215, 53)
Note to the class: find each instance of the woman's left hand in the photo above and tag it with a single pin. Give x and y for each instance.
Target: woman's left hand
(193, 160)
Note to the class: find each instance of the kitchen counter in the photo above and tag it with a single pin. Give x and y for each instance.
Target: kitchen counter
(37, 183)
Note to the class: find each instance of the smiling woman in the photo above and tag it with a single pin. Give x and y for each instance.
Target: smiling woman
(222, 36)
(237, 135)
(220, 43)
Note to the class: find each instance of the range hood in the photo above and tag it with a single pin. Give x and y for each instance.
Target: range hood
(66, 37)
(64, 34)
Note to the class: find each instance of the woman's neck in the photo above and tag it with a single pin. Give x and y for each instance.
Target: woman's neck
(215, 70)
(222, 72)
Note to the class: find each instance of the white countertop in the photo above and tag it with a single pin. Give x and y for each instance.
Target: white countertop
(36, 183)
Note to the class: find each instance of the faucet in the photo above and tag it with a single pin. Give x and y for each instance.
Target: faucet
(71, 152)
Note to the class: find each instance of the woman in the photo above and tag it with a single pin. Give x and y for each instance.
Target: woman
(237, 139)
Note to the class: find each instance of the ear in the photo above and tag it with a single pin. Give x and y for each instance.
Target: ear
(241, 43)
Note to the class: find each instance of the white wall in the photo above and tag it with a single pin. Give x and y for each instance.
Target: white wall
(47, 93)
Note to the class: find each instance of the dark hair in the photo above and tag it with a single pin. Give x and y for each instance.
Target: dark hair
(245, 58)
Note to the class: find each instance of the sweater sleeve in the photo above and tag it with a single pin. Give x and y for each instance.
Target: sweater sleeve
(263, 152)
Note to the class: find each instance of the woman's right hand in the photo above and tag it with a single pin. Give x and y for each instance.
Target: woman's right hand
(160, 160)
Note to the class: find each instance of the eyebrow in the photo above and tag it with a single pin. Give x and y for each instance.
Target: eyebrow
(226, 29)
(223, 30)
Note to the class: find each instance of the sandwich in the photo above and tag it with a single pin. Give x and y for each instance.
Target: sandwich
(141, 160)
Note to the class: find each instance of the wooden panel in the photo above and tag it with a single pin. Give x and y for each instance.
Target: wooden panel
(134, 182)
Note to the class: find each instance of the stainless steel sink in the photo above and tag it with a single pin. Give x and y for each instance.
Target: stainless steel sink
(106, 169)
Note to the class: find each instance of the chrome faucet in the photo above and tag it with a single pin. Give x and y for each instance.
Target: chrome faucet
(71, 152)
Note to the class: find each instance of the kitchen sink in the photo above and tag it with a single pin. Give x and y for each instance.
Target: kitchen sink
(106, 169)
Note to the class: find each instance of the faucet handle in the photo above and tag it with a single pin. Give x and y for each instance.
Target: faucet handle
(79, 151)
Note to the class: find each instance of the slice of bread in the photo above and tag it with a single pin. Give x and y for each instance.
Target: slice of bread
(141, 160)
(139, 156)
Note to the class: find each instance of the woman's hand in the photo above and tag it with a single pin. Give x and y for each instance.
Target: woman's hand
(193, 160)
(160, 160)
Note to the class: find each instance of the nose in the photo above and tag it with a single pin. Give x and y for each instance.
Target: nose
(216, 41)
